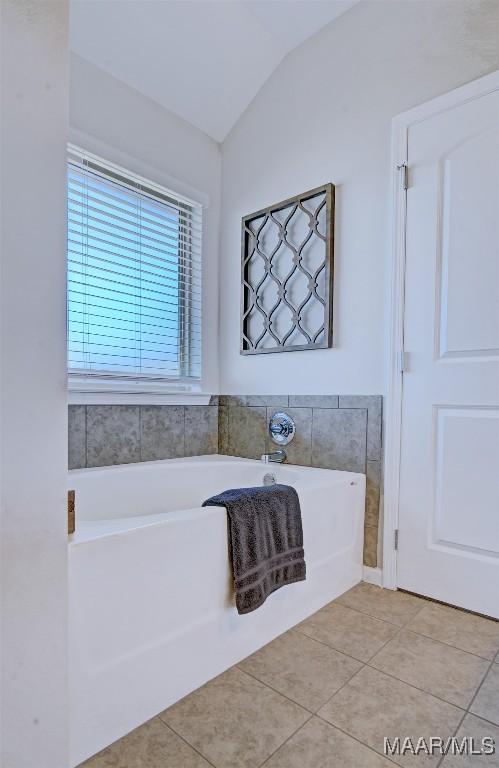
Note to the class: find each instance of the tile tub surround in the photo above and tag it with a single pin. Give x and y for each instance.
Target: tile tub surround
(332, 432)
(102, 435)
(315, 697)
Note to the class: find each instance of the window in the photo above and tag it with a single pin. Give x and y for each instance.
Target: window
(134, 280)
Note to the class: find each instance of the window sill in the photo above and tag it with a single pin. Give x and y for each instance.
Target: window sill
(83, 392)
(115, 398)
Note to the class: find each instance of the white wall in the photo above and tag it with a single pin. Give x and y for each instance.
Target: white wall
(117, 122)
(324, 115)
(33, 410)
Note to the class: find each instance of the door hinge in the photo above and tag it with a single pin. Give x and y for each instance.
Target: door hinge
(404, 175)
(396, 539)
(402, 361)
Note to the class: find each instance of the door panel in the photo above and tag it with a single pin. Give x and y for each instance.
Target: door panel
(469, 306)
(449, 475)
(464, 485)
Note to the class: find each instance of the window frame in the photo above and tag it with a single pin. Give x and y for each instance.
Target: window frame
(136, 388)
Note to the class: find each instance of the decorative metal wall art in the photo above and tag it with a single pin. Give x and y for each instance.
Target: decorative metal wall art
(287, 274)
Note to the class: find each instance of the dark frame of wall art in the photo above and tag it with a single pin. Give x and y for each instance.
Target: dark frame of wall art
(296, 271)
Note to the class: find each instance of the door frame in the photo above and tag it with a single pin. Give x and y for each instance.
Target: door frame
(395, 353)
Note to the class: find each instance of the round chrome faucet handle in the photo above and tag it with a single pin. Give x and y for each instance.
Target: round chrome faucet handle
(278, 429)
(281, 428)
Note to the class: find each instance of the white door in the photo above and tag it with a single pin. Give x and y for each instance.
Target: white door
(449, 476)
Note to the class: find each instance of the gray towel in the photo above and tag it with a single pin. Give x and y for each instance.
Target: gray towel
(265, 540)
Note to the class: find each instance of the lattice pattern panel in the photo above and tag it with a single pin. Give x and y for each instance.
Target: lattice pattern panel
(287, 275)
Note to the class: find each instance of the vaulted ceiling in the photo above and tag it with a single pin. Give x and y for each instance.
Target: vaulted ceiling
(203, 60)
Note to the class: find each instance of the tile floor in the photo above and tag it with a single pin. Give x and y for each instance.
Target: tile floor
(371, 664)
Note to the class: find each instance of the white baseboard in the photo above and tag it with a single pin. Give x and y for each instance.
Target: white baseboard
(373, 575)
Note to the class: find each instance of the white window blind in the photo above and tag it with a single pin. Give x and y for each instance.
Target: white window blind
(134, 278)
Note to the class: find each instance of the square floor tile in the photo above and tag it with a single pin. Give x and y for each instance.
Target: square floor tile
(463, 630)
(301, 668)
(476, 729)
(234, 720)
(439, 669)
(373, 706)
(386, 604)
(153, 745)
(347, 630)
(319, 745)
(486, 702)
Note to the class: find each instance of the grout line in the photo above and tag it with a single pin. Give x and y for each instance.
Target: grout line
(442, 758)
(355, 738)
(467, 711)
(367, 664)
(320, 407)
(340, 689)
(376, 618)
(442, 642)
(334, 727)
(423, 599)
(311, 713)
(394, 677)
(185, 740)
(400, 629)
(265, 685)
(421, 690)
(403, 682)
(480, 717)
(478, 690)
(448, 645)
(449, 605)
(271, 687)
(381, 671)
(333, 648)
(285, 742)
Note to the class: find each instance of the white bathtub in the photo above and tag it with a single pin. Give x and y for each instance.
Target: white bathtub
(151, 614)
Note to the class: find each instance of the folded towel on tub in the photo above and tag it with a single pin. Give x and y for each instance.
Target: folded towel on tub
(265, 540)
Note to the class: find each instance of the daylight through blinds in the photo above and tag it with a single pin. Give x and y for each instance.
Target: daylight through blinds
(134, 276)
